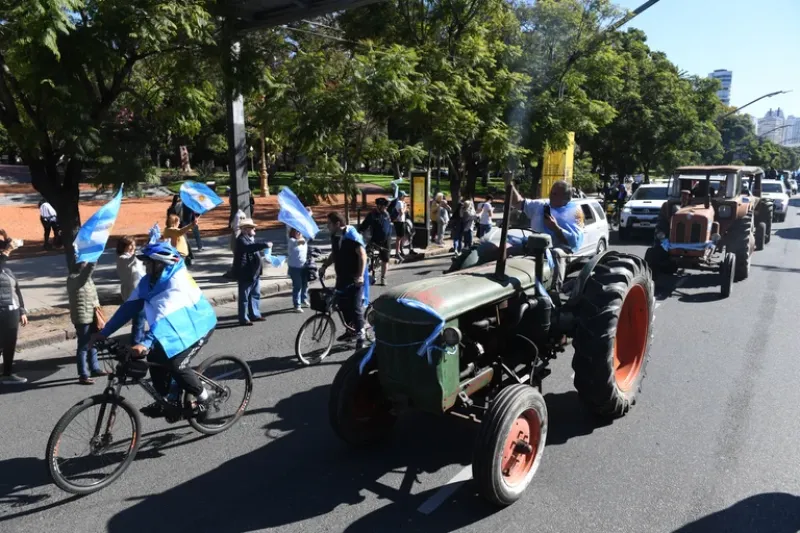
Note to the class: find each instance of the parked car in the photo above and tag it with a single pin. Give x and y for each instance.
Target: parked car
(775, 190)
(641, 211)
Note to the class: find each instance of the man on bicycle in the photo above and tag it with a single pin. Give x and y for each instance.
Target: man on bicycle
(180, 319)
(349, 257)
(379, 223)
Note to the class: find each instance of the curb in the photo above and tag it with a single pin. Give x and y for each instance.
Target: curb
(272, 290)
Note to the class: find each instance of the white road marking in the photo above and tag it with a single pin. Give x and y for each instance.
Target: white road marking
(447, 490)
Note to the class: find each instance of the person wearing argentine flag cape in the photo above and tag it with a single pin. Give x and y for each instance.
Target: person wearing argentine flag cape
(349, 257)
(180, 318)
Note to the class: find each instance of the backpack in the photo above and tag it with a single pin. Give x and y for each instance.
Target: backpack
(393, 214)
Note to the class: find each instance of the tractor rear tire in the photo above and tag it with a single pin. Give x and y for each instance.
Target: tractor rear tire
(761, 236)
(727, 274)
(740, 234)
(510, 444)
(614, 334)
(358, 411)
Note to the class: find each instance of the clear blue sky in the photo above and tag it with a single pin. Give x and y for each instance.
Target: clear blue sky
(759, 40)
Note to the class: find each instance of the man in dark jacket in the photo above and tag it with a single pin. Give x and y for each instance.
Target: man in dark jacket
(12, 313)
(247, 269)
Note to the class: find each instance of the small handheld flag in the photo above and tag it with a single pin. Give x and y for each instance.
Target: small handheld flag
(154, 235)
(294, 214)
(274, 260)
(93, 235)
(198, 197)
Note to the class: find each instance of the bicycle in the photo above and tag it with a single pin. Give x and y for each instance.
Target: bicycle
(320, 328)
(105, 433)
(374, 261)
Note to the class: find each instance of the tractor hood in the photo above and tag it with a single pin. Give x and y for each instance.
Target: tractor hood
(452, 294)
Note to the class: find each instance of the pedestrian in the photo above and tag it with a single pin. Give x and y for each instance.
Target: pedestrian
(468, 217)
(177, 237)
(49, 219)
(87, 317)
(176, 208)
(434, 212)
(444, 219)
(455, 228)
(487, 211)
(298, 256)
(397, 213)
(12, 312)
(248, 267)
(252, 206)
(189, 219)
(349, 257)
(130, 271)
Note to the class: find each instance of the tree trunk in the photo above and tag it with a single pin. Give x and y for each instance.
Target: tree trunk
(184, 159)
(646, 173)
(263, 172)
(396, 170)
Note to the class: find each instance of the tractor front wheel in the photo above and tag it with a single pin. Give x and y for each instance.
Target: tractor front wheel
(761, 235)
(727, 274)
(510, 444)
(614, 334)
(359, 412)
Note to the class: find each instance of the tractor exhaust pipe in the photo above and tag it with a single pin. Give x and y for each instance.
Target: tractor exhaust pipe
(708, 190)
(500, 267)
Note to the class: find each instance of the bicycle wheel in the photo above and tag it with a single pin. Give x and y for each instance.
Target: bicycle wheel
(229, 380)
(107, 441)
(315, 339)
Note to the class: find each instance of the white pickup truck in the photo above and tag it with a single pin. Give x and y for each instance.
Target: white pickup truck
(641, 210)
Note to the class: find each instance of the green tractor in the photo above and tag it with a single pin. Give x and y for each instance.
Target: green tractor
(477, 343)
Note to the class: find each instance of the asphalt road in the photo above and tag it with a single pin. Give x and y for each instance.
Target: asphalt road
(710, 447)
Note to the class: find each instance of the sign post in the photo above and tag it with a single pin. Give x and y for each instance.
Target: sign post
(420, 216)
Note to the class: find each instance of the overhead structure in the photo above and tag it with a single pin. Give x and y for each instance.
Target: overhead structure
(247, 15)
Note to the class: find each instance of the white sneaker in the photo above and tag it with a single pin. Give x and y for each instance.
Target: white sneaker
(305, 304)
(13, 379)
(298, 309)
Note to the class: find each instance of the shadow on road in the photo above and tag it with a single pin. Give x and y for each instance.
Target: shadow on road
(21, 476)
(38, 371)
(568, 418)
(788, 233)
(668, 286)
(773, 512)
(303, 472)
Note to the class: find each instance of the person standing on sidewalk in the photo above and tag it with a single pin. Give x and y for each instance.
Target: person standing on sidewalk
(176, 208)
(468, 217)
(397, 212)
(49, 220)
(298, 256)
(84, 310)
(247, 268)
(177, 237)
(380, 226)
(12, 313)
(189, 219)
(486, 217)
(130, 271)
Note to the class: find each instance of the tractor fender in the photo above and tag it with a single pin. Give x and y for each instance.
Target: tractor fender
(586, 274)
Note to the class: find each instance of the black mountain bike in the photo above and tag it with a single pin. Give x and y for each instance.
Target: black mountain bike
(105, 429)
(315, 339)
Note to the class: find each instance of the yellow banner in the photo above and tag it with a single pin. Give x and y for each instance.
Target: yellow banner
(558, 166)
(419, 198)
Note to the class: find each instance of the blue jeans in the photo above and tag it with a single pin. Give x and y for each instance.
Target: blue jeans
(249, 300)
(299, 285)
(197, 240)
(84, 333)
(137, 328)
(466, 238)
(484, 229)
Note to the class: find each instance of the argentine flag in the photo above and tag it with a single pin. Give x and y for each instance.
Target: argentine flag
(294, 214)
(93, 235)
(198, 197)
(177, 312)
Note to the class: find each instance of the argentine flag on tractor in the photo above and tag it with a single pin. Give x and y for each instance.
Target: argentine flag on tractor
(199, 197)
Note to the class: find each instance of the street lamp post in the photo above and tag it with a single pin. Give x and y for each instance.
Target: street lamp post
(770, 95)
(252, 167)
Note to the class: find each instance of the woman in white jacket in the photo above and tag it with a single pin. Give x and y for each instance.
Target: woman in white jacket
(130, 271)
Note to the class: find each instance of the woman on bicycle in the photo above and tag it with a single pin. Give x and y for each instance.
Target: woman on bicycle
(180, 318)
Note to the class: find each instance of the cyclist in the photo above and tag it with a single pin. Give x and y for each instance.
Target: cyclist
(180, 319)
(349, 258)
(379, 223)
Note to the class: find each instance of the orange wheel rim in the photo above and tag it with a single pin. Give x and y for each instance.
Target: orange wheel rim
(631, 340)
(521, 447)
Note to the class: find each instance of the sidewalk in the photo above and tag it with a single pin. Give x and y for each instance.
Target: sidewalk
(43, 285)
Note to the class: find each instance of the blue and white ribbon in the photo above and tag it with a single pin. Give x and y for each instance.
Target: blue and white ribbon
(697, 246)
(274, 260)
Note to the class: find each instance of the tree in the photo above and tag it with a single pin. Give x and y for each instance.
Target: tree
(64, 65)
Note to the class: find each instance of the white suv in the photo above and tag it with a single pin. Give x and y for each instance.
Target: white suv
(776, 191)
(641, 210)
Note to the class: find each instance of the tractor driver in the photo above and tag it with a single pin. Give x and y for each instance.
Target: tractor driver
(559, 217)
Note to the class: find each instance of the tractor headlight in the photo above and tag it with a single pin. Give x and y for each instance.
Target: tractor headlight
(724, 211)
(451, 336)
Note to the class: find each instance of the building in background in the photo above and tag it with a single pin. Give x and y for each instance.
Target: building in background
(725, 77)
(770, 126)
(791, 136)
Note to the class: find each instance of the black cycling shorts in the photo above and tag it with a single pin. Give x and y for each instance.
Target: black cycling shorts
(383, 250)
(399, 229)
